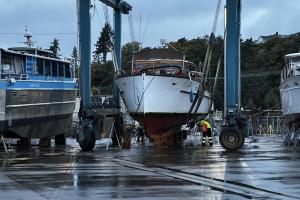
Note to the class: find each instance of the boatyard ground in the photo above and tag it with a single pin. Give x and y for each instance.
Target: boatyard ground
(262, 169)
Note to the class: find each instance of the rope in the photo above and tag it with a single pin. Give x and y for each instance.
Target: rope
(131, 29)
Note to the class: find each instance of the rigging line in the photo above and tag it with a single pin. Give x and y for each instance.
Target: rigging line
(131, 29)
(143, 38)
(140, 27)
(93, 7)
(98, 16)
(216, 16)
(262, 74)
(206, 67)
(106, 15)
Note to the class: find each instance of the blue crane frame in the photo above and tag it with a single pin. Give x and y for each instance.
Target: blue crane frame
(85, 43)
(86, 136)
(232, 86)
(232, 93)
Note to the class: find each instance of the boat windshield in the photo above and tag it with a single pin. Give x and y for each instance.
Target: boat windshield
(157, 67)
(163, 67)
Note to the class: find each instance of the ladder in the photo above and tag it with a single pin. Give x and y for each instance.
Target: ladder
(6, 145)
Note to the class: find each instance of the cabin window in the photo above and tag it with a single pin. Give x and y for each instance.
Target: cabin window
(67, 70)
(18, 62)
(40, 66)
(54, 68)
(61, 69)
(47, 68)
(7, 62)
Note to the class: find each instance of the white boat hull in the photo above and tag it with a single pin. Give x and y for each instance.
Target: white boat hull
(145, 94)
(290, 96)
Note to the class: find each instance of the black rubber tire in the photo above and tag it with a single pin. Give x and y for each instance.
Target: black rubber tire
(88, 143)
(60, 139)
(231, 139)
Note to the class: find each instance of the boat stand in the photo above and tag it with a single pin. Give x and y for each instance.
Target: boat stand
(192, 134)
(111, 135)
(6, 145)
(291, 139)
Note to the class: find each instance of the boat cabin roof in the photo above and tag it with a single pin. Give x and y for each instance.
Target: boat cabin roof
(152, 54)
(31, 49)
(26, 53)
(292, 55)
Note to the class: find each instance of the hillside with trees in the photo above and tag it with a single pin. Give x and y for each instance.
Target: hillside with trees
(261, 64)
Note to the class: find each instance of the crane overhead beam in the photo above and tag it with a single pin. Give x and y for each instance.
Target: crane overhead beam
(122, 6)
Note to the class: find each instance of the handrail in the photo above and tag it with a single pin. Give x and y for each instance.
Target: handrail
(200, 74)
(121, 72)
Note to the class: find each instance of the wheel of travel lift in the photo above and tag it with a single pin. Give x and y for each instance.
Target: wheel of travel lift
(89, 140)
(60, 139)
(231, 139)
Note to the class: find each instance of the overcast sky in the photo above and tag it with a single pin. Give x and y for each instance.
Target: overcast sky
(167, 19)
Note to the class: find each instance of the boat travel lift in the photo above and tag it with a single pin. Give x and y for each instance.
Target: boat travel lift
(233, 133)
(90, 113)
(234, 130)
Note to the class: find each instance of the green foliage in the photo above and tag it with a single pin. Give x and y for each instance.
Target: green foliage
(271, 99)
(260, 67)
(75, 55)
(54, 47)
(127, 52)
(102, 77)
(104, 44)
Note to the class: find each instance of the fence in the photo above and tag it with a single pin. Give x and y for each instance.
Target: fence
(267, 125)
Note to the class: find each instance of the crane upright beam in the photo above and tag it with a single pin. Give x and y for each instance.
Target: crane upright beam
(232, 56)
(232, 136)
(86, 135)
(85, 51)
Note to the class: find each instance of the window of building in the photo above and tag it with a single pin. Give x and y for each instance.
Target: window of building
(40, 66)
(47, 68)
(67, 69)
(61, 69)
(54, 68)
(18, 63)
(7, 63)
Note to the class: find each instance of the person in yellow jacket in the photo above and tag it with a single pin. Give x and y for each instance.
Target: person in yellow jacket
(205, 128)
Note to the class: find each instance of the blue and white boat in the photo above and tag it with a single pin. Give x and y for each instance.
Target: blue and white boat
(37, 93)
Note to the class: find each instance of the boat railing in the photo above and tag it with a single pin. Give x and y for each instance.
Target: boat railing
(195, 75)
(7, 76)
(121, 72)
(289, 70)
(23, 76)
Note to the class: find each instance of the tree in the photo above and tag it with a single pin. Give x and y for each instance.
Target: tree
(102, 77)
(104, 44)
(75, 55)
(127, 52)
(54, 47)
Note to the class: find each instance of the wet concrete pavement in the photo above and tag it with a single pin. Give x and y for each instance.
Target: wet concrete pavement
(261, 170)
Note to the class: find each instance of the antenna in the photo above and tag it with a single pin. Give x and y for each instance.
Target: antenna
(28, 37)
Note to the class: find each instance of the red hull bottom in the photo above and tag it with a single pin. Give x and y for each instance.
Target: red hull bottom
(161, 128)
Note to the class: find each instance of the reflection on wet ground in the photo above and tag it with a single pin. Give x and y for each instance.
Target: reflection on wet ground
(262, 170)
